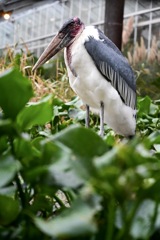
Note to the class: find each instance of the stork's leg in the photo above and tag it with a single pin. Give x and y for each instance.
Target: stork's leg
(102, 119)
(87, 116)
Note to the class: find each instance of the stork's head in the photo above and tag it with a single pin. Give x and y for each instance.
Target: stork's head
(66, 36)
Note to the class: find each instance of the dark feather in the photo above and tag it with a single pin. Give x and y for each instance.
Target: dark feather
(113, 66)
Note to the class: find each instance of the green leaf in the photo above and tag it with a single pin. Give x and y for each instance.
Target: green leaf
(105, 161)
(154, 109)
(157, 147)
(143, 220)
(42, 202)
(154, 137)
(85, 145)
(8, 168)
(25, 150)
(37, 113)
(60, 169)
(9, 209)
(3, 143)
(8, 191)
(82, 141)
(110, 138)
(7, 127)
(54, 168)
(15, 92)
(76, 221)
(144, 106)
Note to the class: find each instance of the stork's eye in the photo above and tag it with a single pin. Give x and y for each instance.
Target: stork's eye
(71, 24)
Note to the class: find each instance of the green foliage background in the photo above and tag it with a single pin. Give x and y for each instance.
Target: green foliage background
(59, 180)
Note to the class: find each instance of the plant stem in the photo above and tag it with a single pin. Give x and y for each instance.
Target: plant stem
(70, 195)
(111, 220)
(153, 220)
(124, 232)
(20, 190)
(17, 179)
(59, 201)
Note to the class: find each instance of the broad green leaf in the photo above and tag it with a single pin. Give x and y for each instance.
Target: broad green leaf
(144, 106)
(84, 144)
(154, 109)
(7, 127)
(105, 161)
(8, 191)
(82, 141)
(110, 139)
(25, 150)
(142, 225)
(42, 202)
(76, 221)
(77, 114)
(37, 113)
(8, 168)
(9, 209)
(55, 166)
(15, 92)
(154, 137)
(3, 144)
(77, 102)
(157, 147)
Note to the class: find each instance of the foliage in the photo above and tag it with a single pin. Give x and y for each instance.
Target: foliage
(146, 64)
(59, 180)
(51, 79)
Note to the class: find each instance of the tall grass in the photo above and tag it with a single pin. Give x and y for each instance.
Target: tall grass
(56, 83)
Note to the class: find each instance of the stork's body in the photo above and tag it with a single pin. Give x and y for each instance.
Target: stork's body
(99, 74)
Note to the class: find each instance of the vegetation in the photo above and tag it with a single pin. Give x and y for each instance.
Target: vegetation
(59, 180)
(146, 63)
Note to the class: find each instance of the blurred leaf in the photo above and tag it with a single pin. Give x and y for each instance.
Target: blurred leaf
(8, 168)
(9, 209)
(7, 127)
(157, 147)
(154, 109)
(42, 202)
(56, 165)
(76, 221)
(8, 191)
(25, 150)
(3, 143)
(82, 141)
(37, 113)
(142, 224)
(13, 100)
(110, 138)
(144, 106)
(84, 144)
(77, 102)
(103, 162)
(77, 114)
(154, 137)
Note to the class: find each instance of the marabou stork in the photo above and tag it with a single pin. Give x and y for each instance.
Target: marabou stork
(98, 73)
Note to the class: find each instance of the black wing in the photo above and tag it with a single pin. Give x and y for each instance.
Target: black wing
(113, 66)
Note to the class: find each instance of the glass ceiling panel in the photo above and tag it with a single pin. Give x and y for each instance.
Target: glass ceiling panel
(39, 23)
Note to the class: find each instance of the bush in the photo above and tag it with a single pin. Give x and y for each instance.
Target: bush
(59, 180)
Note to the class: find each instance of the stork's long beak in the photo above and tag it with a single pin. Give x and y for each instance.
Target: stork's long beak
(57, 43)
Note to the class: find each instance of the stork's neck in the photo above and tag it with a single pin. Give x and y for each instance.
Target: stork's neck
(69, 58)
(69, 50)
(69, 55)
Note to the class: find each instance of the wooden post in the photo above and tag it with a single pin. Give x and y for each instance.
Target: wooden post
(113, 25)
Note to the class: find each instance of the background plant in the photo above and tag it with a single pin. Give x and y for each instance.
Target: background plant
(59, 180)
(146, 63)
